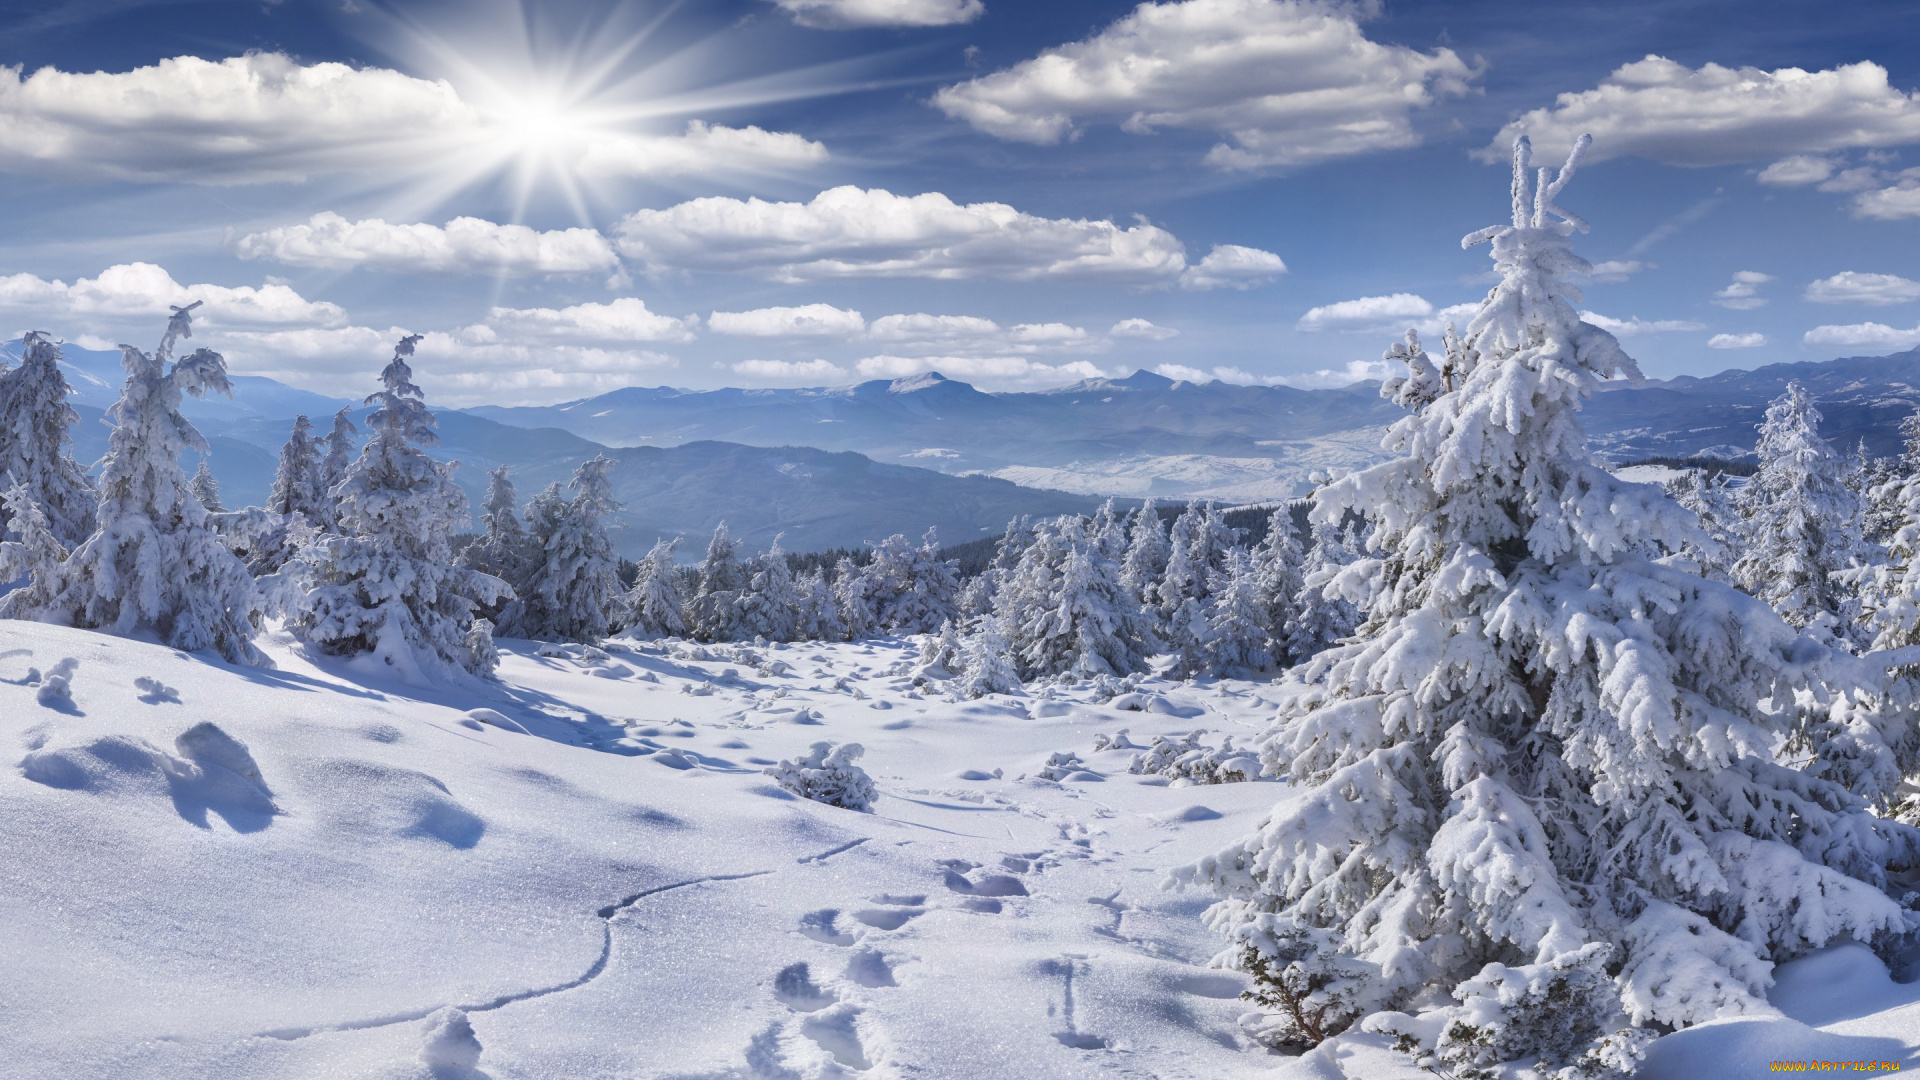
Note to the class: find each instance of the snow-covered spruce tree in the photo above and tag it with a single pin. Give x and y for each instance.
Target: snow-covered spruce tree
(1276, 564)
(1180, 609)
(1714, 505)
(32, 559)
(1321, 616)
(1885, 480)
(574, 594)
(152, 564)
(986, 662)
(390, 588)
(770, 605)
(851, 602)
(1802, 520)
(206, 488)
(655, 606)
(1211, 543)
(504, 549)
(338, 457)
(36, 443)
(1240, 632)
(1147, 552)
(976, 597)
(713, 614)
(1542, 739)
(819, 618)
(1109, 531)
(296, 480)
(1065, 613)
(911, 589)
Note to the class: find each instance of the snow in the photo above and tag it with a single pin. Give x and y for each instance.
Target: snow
(399, 852)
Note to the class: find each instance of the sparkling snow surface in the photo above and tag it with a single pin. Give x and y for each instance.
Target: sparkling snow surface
(620, 892)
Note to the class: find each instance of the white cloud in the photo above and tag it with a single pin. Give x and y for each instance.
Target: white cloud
(1183, 373)
(246, 119)
(1142, 329)
(1618, 269)
(1367, 313)
(1234, 267)
(623, 320)
(1890, 204)
(128, 293)
(1656, 108)
(1632, 326)
(1333, 378)
(1872, 334)
(1852, 287)
(464, 246)
(1006, 372)
(972, 335)
(703, 150)
(1288, 82)
(807, 320)
(861, 14)
(850, 232)
(790, 370)
(1742, 293)
(1798, 171)
(1736, 341)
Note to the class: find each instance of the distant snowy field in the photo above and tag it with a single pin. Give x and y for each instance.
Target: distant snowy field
(620, 892)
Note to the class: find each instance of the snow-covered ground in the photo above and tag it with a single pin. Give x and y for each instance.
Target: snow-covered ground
(1283, 475)
(600, 876)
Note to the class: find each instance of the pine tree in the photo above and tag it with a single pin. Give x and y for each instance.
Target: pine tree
(36, 443)
(976, 598)
(504, 549)
(206, 488)
(851, 602)
(31, 562)
(1803, 520)
(1147, 551)
(1065, 613)
(1718, 513)
(1322, 615)
(390, 588)
(1276, 565)
(1544, 741)
(655, 606)
(911, 590)
(152, 564)
(819, 613)
(986, 662)
(1212, 542)
(340, 453)
(1240, 631)
(296, 481)
(714, 612)
(770, 606)
(574, 594)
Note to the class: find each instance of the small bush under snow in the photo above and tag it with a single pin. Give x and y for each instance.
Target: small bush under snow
(828, 774)
(1186, 759)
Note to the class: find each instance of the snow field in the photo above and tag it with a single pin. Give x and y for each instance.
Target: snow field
(620, 893)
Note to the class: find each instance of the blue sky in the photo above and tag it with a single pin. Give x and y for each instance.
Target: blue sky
(568, 198)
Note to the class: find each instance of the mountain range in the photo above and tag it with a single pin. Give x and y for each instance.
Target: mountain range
(833, 467)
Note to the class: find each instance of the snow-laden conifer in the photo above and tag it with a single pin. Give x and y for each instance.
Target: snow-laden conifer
(819, 614)
(152, 564)
(36, 443)
(770, 605)
(1065, 613)
(851, 602)
(1802, 519)
(390, 588)
(31, 561)
(1713, 504)
(1240, 632)
(1211, 542)
(986, 662)
(1321, 616)
(574, 593)
(504, 548)
(714, 610)
(296, 479)
(911, 590)
(206, 488)
(1544, 739)
(655, 606)
(1276, 564)
(334, 462)
(1147, 551)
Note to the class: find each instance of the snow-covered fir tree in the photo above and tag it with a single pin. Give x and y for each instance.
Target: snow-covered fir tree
(1147, 551)
(770, 606)
(152, 564)
(1065, 613)
(1276, 565)
(574, 594)
(36, 443)
(1713, 504)
(713, 612)
(851, 602)
(819, 614)
(296, 480)
(1802, 520)
(976, 596)
(986, 662)
(1240, 633)
(390, 588)
(1884, 479)
(1544, 745)
(337, 458)
(911, 590)
(32, 559)
(1322, 616)
(206, 488)
(656, 607)
(504, 549)
(1211, 542)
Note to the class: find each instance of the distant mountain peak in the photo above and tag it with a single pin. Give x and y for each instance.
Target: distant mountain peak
(916, 382)
(1142, 379)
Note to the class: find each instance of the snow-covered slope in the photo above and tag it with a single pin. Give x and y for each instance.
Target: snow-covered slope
(598, 874)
